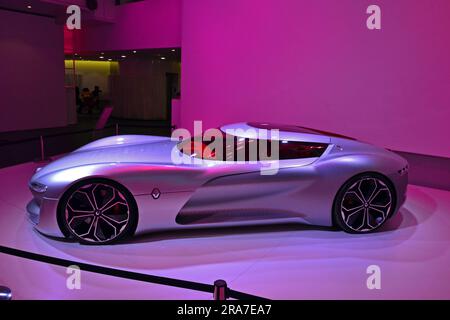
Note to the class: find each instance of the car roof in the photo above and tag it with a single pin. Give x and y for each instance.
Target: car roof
(295, 128)
(254, 130)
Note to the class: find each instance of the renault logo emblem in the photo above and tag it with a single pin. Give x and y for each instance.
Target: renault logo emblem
(156, 193)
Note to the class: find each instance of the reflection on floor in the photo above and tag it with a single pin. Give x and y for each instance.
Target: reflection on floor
(277, 262)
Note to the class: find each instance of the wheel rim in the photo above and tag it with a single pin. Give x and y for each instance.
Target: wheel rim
(97, 212)
(366, 204)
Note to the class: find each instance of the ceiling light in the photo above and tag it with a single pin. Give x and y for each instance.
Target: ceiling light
(123, 56)
(109, 59)
(173, 50)
(134, 51)
(29, 7)
(163, 58)
(102, 57)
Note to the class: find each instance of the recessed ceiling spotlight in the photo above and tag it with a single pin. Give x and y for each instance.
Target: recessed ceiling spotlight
(123, 56)
(102, 57)
(173, 50)
(134, 51)
(76, 54)
(163, 58)
(29, 7)
(109, 59)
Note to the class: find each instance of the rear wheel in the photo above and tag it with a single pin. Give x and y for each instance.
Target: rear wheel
(97, 212)
(364, 203)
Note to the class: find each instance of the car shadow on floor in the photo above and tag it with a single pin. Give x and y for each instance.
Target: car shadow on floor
(402, 220)
(207, 232)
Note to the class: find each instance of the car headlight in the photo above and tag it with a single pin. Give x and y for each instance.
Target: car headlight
(38, 187)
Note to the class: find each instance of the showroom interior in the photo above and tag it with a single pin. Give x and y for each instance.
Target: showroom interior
(150, 67)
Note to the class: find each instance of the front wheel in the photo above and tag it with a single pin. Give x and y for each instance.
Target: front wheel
(364, 203)
(97, 212)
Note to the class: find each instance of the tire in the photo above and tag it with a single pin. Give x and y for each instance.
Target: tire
(97, 212)
(364, 203)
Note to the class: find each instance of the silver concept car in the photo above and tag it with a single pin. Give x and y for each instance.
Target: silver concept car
(118, 186)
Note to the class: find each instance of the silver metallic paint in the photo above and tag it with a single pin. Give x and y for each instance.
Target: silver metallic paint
(303, 190)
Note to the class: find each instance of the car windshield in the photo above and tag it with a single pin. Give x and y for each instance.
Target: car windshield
(233, 148)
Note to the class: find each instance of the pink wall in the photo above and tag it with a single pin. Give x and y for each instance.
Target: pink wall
(140, 25)
(314, 63)
(31, 72)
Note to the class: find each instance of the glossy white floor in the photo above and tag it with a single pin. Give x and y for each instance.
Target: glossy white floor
(277, 262)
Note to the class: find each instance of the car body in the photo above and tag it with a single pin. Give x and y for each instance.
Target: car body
(164, 195)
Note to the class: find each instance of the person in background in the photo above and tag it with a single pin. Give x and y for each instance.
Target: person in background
(87, 100)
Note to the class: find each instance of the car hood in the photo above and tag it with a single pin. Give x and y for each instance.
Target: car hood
(118, 149)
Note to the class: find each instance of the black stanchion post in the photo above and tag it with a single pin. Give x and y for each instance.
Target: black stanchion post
(5, 293)
(220, 290)
(42, 148)
(42, 157)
